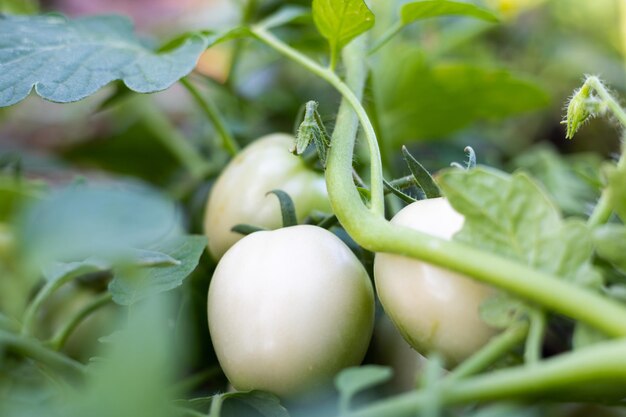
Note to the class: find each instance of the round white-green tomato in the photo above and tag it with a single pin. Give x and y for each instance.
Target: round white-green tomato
(239, 195)
(288, 309)
(435, 310)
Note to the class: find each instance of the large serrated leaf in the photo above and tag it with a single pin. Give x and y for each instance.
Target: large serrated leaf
(67, 60)
(435, 8)
(511, 215)
(340, 21)
(128, 288)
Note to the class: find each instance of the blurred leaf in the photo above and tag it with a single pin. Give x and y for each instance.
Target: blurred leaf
(239, 404)
(78, 222)
(130, 287)
(284, 15)
(571, 191)
(340, 21)
(19, 6)
(351, 381)
(68, 271)
(610, 241)
(15, 193)
(417, 10)
(68, 60)
(510, 215)
(417, 100)
(585, 335)
(132, 378)
(501, 310)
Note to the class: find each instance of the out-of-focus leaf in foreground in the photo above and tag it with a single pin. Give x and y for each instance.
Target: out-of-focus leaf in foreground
(67, 60)
(128, 288)
(82, 221)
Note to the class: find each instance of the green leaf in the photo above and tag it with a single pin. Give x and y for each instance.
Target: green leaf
(351, 381)
(285, 15)
(511, 215)
(398, 193)
(436, 8)
(418, 100)
(585, 335)
(78, 222)
(501, 310)
(242, 403)
(70, 270)
(68, 60)
(610, 241)
(423, 178)
(560, 175)
(128, 287)
(340, 21)
(312, 130)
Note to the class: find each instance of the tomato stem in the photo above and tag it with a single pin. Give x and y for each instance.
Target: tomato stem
(212, 113)
(534, 343)
(377, 235)
(58, 340)
(378, 203)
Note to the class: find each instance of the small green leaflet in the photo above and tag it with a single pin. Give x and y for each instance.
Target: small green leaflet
(67, 60)
(131, 285)
(351, 381)
(312, 130)
(423, 178)
(340, 21)
(437, 8)
(511, 215)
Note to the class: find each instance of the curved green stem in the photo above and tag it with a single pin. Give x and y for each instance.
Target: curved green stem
(497, 347)
(534, 343)
(603, 209)
(212, 113)
(598, 370)
(377, 235)
(266, 37)
(176, 143)
(31, 348)
(58, 340)
(30, 315)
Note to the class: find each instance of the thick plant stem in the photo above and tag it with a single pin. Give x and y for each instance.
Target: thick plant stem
(377, 190)
(59, 339)
(213, 114)
(31, 348)
(497, 347)
(601, 369)
(377, 235)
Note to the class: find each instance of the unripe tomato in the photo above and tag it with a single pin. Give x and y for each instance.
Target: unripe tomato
(288, 309)
(434, 309)
(240, 193)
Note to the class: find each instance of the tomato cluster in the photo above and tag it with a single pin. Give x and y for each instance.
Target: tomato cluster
(289, 308)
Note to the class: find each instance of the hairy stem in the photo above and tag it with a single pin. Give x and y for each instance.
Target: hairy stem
(378, 203)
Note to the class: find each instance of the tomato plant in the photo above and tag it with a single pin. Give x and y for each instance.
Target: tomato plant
(296, 312)
(506, 272)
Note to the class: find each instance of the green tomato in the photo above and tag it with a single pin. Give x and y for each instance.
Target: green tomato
(240, 193)
(288, 309)
(435, 310)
